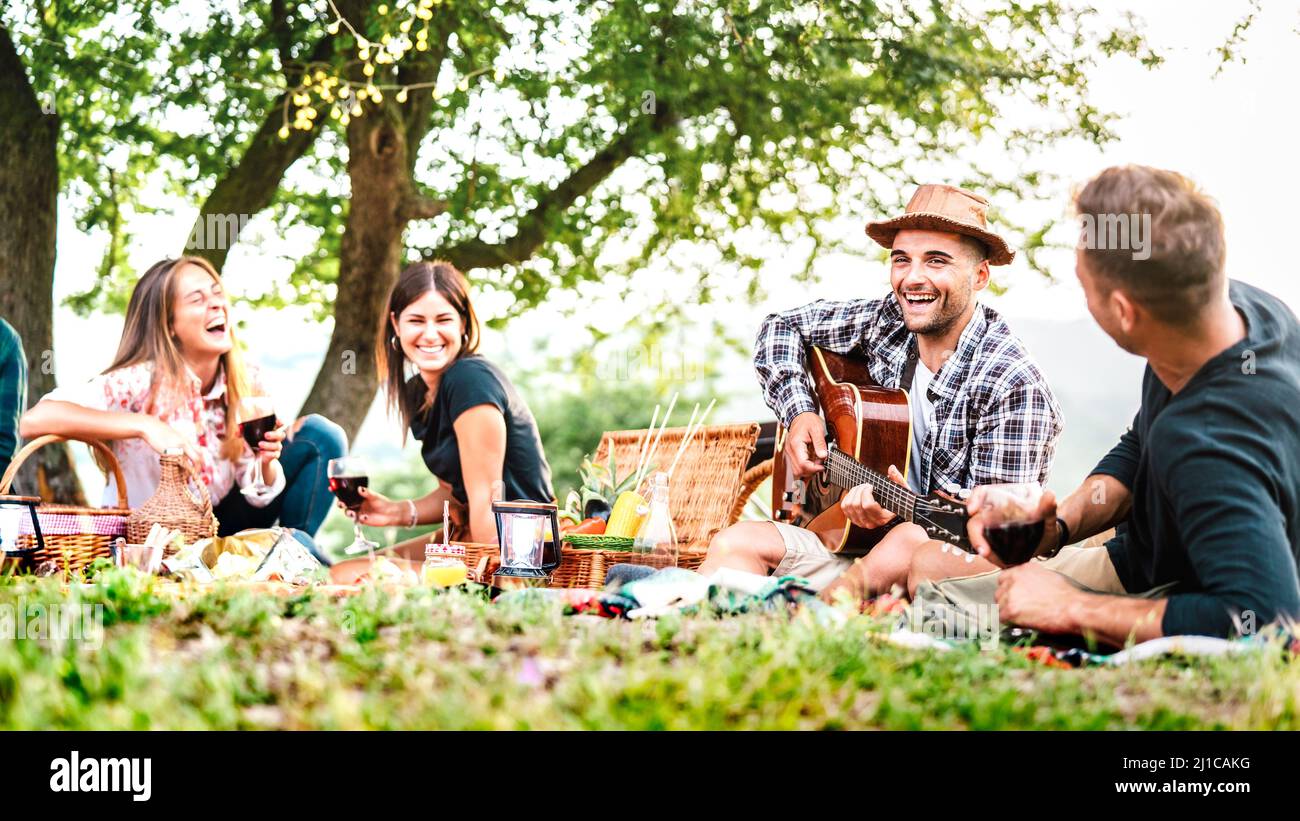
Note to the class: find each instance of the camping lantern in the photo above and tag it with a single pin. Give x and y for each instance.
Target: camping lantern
(12, 528)
(530, 550)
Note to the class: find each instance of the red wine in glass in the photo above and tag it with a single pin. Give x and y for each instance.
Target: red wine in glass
(1015, 542)
(347, 475)
(255, 430)
(347, 489)
(256, 415)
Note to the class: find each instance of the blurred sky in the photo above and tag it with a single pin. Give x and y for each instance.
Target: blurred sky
(1235, 134)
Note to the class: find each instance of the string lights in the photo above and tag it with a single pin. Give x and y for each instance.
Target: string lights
(322, 88)
(324, 91)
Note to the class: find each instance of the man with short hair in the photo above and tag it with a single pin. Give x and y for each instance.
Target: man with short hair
(13, 391)
(1205, 485)
(982, 412)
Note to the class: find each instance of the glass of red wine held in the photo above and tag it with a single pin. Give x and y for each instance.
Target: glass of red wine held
(1013, 526)
(347, 476)
(256, 419)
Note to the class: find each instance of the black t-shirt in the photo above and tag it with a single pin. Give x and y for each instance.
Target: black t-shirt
(471, 381)
(1215, 475)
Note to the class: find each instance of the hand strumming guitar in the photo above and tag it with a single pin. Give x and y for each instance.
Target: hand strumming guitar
(861, 508)
(805, 444)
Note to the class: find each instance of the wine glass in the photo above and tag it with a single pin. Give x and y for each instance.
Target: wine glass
(1012, 525)
(256, 420)
(347, 475)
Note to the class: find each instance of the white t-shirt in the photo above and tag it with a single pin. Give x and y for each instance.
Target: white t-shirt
(922, 419)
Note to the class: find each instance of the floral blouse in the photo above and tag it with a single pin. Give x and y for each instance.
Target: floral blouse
(199, 417)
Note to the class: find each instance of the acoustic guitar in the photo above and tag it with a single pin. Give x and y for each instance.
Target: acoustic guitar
(868, 428)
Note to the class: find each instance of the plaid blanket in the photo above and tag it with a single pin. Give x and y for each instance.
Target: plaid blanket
(674, 590)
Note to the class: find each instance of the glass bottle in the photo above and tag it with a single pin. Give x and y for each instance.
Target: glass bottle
(657, 537)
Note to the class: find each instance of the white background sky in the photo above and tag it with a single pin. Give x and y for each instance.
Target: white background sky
(1235, 134)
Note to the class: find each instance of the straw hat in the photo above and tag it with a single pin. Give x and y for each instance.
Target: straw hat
(945, 208)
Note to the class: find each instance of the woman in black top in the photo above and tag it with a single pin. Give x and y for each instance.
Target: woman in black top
(474, 428)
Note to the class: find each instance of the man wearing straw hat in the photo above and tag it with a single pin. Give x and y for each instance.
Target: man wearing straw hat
(982, 412)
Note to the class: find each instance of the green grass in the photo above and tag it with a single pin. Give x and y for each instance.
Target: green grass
(230, 659)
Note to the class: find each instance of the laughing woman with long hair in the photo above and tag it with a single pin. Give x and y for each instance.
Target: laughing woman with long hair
(475, 431)
(176, 383)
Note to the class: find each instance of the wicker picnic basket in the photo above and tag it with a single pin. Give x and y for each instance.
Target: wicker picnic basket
(73, 535)
(579, 567)
(703, 494)
(174, 505)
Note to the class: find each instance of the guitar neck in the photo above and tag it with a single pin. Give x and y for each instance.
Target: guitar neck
(845, 471)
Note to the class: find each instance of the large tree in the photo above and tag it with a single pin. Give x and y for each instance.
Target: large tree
(544, 145)
(29, 185)
(61, 109)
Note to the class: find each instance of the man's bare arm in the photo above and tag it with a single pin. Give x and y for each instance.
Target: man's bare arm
(1116, 619)
(1098, 504)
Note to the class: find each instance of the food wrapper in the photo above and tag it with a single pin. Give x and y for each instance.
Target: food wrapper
(270, 554)
(290, 561)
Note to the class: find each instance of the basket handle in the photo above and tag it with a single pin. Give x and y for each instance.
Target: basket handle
(49, 439)
(204, 500)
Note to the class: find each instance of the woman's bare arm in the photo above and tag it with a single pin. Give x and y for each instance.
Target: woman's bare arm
(51, 416)
(481, 434)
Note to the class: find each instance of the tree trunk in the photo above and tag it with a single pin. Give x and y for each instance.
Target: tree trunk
(381, 163)
(370, 256)
(29, 187)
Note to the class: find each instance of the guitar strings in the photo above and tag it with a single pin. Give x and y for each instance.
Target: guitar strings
(890, 495)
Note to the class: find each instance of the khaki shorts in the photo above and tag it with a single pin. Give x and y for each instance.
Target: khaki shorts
(1089, 566)
(806, 556)
(960, 603)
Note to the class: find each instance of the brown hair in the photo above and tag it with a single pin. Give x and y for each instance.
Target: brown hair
(1184, 271)
(147, 338)
(412, 284)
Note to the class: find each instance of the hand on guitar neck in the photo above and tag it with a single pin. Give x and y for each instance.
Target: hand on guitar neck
(860, 506)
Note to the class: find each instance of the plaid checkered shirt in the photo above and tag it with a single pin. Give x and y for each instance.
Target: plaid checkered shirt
(13, 391)
(995, 418)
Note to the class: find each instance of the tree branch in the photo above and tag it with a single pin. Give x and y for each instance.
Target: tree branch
(417, 112)
(251, 184)
(420, 207)
(532, 227)
(279, 25)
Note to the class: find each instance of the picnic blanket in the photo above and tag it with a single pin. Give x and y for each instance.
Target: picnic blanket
(636, 592)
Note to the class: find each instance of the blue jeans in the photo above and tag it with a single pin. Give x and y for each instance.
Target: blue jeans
(306, 499)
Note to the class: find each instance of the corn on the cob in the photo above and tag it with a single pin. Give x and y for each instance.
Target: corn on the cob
(625, 518)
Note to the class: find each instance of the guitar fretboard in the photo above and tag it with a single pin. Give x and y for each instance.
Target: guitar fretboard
(847, 472)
